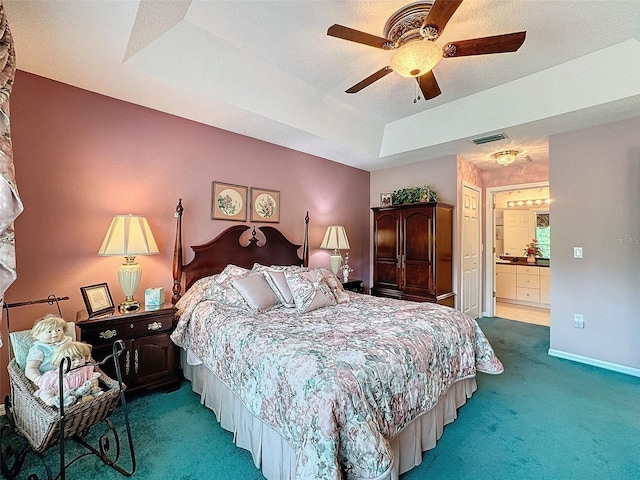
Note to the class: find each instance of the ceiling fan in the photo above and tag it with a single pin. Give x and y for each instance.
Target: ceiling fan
(411, 33)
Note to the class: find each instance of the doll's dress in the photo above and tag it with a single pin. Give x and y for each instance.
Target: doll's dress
(43, 351)
(48, 384)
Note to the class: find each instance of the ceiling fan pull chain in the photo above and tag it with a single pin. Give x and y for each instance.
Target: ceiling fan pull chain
(416, 95)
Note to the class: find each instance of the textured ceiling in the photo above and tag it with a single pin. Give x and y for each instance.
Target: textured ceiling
(268, 70)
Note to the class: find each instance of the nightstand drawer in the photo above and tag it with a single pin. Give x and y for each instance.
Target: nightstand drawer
(108, 332)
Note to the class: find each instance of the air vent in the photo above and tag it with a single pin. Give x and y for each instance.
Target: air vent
(494, 137)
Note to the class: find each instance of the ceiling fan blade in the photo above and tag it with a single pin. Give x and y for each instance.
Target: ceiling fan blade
(509, 42)
(428, 85)
(352, 35)
(440, 13)
(369, 80)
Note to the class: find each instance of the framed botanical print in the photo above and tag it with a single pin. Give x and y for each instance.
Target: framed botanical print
(229, 202)
(265, 205)
(97, 299)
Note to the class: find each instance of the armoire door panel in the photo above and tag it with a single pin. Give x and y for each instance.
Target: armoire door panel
(416, 235)
(412, 255)
(387, 236)
(388, 274)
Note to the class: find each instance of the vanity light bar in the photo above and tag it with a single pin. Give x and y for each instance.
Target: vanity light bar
(529, 203)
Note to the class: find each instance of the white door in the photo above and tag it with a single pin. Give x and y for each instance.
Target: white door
(470, 251)
(519, 229)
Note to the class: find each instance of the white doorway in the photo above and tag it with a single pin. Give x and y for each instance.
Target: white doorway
(490, 252)
(471, 274)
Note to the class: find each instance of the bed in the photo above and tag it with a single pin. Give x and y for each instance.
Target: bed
(317, 382)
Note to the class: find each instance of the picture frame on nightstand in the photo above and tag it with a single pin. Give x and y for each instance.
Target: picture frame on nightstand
(97, 299)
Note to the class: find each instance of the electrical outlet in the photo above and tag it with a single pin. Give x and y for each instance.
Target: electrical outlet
(578, 320)
(577, 252)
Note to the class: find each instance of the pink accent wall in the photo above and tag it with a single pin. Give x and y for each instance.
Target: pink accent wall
(516, 174)
(468, 173)
(81, 158)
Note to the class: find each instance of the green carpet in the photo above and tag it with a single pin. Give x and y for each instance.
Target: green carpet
(543, 418)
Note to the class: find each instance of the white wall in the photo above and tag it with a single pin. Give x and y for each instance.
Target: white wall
(594, 177)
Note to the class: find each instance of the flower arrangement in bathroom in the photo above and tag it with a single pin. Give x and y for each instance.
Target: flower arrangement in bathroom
(532, 250)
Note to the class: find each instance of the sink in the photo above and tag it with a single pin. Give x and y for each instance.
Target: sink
(503, 261)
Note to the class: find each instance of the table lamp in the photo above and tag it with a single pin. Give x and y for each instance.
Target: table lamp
(335, 238)
(128, 236)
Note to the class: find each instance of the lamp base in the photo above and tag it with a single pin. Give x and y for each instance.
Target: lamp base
(129, 306)
(335, 261)
(129, 275)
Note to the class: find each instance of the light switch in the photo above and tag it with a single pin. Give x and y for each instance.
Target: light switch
(577, 252)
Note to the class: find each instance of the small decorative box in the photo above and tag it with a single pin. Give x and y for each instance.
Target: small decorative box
(154, 296)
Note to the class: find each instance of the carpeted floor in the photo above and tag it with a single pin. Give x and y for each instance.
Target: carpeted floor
(543, 418)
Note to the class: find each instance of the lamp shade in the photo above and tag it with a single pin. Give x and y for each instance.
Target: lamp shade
(335, 238)
(416, 58)
(128, 236)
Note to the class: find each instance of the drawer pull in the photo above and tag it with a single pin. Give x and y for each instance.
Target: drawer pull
(127, 363)
(154, 326)
(107, 334)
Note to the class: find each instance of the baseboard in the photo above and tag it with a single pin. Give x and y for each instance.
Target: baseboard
(596, 363)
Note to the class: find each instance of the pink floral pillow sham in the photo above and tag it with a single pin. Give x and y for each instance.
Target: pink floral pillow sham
(310, 291)
(221, 290)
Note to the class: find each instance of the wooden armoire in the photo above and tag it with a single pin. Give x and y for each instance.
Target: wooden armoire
(413, 252)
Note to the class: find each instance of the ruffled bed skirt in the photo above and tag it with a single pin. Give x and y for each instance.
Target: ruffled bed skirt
(273, 454)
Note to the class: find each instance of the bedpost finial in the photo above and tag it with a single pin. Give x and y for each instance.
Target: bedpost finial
(179, 209)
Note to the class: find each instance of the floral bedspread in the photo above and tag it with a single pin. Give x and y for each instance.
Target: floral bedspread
(338, 381)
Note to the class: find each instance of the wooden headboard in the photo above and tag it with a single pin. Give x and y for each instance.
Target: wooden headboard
(226, 248)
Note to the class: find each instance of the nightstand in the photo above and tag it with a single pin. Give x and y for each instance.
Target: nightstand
(149, 359)
(354, 286)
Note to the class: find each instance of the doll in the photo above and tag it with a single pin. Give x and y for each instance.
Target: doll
(48, 333)
(80, 383)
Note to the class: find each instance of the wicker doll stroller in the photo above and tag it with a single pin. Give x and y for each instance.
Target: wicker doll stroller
(44, 426)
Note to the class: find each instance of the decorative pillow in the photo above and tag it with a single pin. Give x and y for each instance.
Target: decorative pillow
(278, 283)
(309, 290)
(194, 293)
(335, 285)
(221, 290)
(22, 340)
(256, 292)
(257, 267)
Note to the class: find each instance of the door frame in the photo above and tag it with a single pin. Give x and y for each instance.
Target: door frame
(490, 235)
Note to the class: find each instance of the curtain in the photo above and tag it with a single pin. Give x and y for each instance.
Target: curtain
(10, 203)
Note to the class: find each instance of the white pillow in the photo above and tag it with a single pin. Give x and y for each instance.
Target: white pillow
(256, 292)
(278, 283)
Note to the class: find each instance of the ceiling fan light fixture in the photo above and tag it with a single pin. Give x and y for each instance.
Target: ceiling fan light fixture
(415, 58)
(505, 157)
